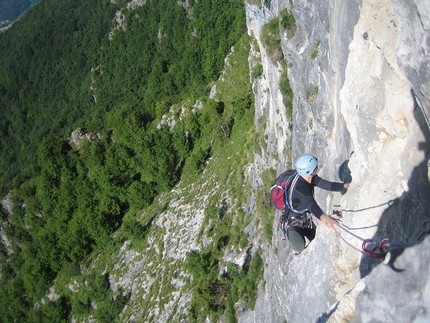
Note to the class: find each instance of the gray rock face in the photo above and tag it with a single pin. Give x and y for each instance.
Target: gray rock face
(398, 291)
(371, 110)
(412, 48)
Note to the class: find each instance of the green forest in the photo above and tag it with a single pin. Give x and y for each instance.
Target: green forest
(67, 65)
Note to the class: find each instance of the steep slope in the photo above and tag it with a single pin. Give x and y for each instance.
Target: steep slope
(369, 113)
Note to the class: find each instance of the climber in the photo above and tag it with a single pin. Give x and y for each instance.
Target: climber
(300, 223)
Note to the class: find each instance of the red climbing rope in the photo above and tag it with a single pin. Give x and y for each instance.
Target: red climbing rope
(368, 246)
(376, 251)
(340, 236)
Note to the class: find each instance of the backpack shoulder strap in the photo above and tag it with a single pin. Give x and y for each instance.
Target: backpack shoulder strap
(289, 194)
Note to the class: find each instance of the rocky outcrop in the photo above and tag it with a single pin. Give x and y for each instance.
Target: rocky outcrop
(78, 136)
(370, 113)
(397, 291)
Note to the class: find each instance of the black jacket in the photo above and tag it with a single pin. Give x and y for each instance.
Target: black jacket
(303, 194)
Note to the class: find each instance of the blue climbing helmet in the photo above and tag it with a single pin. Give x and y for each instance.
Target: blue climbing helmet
(306, 164)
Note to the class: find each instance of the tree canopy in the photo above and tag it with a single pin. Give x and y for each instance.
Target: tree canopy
(65, 65)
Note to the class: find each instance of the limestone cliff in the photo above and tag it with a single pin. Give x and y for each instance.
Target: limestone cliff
(371, 114)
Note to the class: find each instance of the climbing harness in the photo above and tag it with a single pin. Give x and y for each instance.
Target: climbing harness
(283, 224)
(286, 220)
(368, 246)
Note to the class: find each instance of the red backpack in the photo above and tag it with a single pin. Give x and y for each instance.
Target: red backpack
(279, 192)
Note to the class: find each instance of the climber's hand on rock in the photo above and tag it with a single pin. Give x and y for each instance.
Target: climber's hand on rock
(335, 216)
(345, 188)
(324, 218)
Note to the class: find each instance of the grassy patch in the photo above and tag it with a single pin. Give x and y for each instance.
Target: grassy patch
(225, 220)
(311, 93)
(315, 51)
(287, 92)
(214, 294)
(265, 210)
(257, 71)
(288, 22)
(271, 38)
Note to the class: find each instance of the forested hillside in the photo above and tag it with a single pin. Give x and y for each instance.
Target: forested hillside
(69, 65)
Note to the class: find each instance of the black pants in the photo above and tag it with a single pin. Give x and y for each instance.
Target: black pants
(296, 235)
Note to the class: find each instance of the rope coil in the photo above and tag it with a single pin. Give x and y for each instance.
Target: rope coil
(369, 247)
